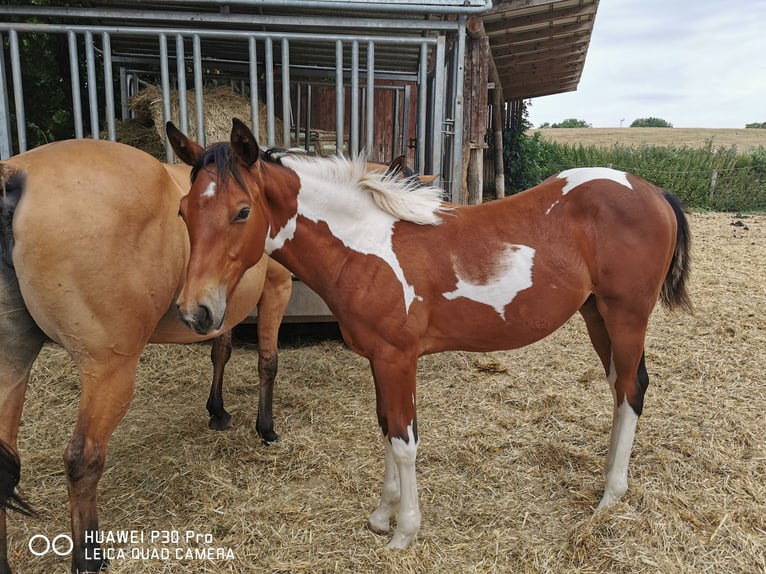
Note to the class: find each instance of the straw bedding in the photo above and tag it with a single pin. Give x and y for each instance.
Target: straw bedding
(510, 463)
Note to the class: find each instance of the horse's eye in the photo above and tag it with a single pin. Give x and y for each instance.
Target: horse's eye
(243, 214)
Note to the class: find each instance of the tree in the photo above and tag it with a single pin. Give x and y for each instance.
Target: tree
(544, 125)
(650, 123)
(572, 123)
(757, 125)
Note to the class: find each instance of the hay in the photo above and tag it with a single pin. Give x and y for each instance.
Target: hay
(221, 104)
(509, 466)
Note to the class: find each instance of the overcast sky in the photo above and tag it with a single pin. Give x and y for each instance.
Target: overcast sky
(693, 63)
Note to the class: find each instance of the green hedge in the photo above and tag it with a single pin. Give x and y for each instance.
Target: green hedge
(739, 184)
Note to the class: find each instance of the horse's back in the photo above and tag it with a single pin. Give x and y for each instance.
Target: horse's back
(99, 248)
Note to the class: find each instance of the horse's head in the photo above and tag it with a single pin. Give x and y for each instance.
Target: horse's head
(224, 214)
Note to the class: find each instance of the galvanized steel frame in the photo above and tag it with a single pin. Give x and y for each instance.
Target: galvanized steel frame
(431, 124)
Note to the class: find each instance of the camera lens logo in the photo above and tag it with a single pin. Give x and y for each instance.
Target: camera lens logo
(61, 545)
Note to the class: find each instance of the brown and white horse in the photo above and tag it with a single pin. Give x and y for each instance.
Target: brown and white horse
(407, 274)
(92, 256)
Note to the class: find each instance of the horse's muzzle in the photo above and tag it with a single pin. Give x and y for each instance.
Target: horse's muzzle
(200, 320)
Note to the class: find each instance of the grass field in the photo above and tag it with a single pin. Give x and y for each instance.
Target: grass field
(745, 139)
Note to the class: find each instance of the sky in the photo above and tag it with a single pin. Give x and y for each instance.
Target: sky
(693, 63)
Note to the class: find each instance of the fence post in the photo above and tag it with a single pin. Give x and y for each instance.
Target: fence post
(713, 181)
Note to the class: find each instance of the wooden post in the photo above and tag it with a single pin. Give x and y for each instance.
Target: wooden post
(475, 29)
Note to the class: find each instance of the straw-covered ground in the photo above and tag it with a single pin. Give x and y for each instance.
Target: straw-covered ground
(509, 467)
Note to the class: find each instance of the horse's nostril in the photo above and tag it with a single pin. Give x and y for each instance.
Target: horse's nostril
(204, 319)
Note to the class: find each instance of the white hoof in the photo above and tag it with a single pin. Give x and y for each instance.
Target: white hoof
(400, 541)
(379, 522)
(610, 497)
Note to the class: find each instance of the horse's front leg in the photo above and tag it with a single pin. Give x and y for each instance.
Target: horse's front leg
(108, 387)
(271, 309)
(220, 353)
(397, 415)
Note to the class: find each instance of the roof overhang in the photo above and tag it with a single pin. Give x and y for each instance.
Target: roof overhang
(539, 46)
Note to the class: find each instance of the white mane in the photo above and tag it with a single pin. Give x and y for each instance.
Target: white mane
(400, 198)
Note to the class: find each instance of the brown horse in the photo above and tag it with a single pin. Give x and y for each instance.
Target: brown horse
(407, 274)
(92, 256)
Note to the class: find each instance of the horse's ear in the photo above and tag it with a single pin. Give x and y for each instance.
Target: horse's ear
(187, 150)
(243, 143)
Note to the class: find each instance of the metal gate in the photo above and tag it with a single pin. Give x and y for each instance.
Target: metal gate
(272, 58)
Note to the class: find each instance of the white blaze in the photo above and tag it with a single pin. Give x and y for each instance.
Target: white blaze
(210, 190)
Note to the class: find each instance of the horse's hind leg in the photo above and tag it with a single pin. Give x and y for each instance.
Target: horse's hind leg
(220, 353)
(108, 386)
(20, 343)
(618, 335)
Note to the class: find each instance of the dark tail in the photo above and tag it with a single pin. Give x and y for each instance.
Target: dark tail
(10, 473)
(674, 294)
(11, 188)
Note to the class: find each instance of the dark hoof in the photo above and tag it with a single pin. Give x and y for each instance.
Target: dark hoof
(269, 438)
(220, 422)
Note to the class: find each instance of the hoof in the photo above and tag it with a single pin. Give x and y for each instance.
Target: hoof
(400, 541)
(269, 438)
(378, 525)
(220, 422)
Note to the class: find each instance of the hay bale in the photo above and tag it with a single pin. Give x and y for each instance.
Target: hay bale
(221, 105)
(139, 135)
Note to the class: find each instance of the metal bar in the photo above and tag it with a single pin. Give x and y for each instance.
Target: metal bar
(308, 117)
(18, 92)
(339, 103)
(74, 74)
(298, 102)
(183, 112)
(108, 87)
(6, 146)
(286, 122)
(199, 89)
(269, 63)
(353, 143)
(370, 97)
(440, 82)
(405, 143)
(124, 97)
(253, 70)
(459, 102)
(420, 153)
(165, 82)
(396, 135)
(220, 34)
(124, 15)
(90, 64)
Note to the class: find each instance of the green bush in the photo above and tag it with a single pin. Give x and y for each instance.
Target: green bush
(739, 184)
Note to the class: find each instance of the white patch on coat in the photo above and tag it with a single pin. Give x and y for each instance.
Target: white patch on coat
(209, 190)
(512, 273)
(579, 175)
(330, 193)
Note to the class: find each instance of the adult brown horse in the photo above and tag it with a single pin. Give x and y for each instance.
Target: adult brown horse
(92, 256)
(407, 274)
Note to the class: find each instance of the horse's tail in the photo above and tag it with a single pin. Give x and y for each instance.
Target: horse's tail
(10, 473)
(673, 293)
(11, 187)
